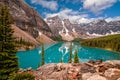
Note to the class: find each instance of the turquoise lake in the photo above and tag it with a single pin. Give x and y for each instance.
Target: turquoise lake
(54, 52)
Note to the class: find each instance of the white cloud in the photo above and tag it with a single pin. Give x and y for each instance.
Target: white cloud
(113, 19)
(52, 5)
(68, 14)
(85, 20)
(73, 16)
(97, 6)
(78, 17)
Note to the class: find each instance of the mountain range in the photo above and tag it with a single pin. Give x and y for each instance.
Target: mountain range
(96, 28)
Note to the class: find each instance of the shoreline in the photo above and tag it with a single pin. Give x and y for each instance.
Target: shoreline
(102, 49)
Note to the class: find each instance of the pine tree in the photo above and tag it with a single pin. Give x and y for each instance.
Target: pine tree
(8, 59)
(43, 61)
(76, 57)
(70, 55)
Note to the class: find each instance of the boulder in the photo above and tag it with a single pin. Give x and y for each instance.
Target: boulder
(112, 74)
(47, 69)
(85, 76)
(103, 67)
(22, 70)
(85, 68)
(91, 61)
(98, 62)
(74, 73)
(96, 77)
(29, 69)
(114, 62)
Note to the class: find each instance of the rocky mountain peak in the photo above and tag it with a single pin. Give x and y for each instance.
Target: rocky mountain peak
(99, 21)
(67, 21)
(63, 27)
(55, 18)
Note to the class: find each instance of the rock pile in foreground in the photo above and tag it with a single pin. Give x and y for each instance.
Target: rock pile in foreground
(92, 70)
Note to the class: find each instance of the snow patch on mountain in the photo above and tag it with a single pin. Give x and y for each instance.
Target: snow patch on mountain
(117, 32)
(65, 33)
(73, 30)
(66, 30)
(94, 34)
(100, 35)
(113, 19)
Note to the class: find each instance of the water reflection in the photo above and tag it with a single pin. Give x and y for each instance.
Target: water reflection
(64, 48)
(54, 52)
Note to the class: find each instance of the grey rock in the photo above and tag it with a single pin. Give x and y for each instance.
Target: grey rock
(85, 68)
(85, 76)
(112, 73)
(29, 69)
(96, 77)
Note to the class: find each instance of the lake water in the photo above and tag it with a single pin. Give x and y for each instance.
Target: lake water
(54, 52)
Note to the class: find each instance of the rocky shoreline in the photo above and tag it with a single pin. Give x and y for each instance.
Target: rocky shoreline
(91, 70)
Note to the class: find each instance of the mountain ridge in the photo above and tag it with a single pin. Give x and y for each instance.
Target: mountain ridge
(96, 28)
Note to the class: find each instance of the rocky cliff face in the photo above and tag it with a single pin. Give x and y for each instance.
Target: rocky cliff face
(26, 18)
(64, 28)
(102, 27)
(55, 24)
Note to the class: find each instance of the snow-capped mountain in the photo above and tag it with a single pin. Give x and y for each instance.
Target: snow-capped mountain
(64, 28)
(96, 28)
(102, 27)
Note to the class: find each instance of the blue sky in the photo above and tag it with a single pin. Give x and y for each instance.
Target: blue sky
(82, 10)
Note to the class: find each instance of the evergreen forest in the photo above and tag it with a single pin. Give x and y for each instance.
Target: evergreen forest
(111, 42)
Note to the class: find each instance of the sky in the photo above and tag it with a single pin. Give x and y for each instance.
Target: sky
(82, 11)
